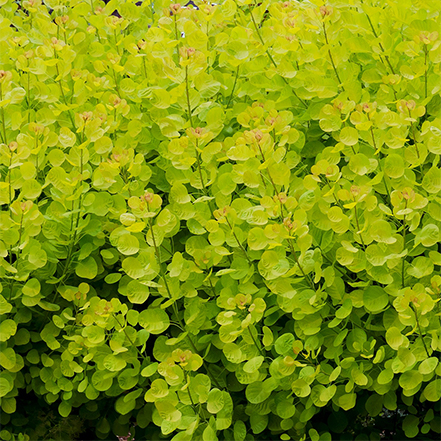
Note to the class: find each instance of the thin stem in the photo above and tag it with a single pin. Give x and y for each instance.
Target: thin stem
(175, 308)
(379, 44)
(188, 389)
(128, 336)
(177, 39)
(187, 91)
(377, 150)
(116, 82)
(255, 342)
(419, 329)
(234, 86)
(28, 95)
(358, 227)
(238, 243)
(404, 246)
(425, 71)
(198, 160)
(116, 42)
(271, 57)
(9, 178)
(5, 140)
(63, 95)
(330, 56)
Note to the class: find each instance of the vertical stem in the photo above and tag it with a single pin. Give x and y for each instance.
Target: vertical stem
(177, 39)
(379, 163)
(200, 169)
(255, 342)
(271, 57)
(187, 91)
(330, 56)
(116, 42)
(238, 243)
(379, 44)
(128, 336)
(5, 140)
(425, 70)
(28, 95)
(234, 86)
(175, 308)
(145, 68)
(116, 82)
(404, 245)
(419, 329)
(358, 227)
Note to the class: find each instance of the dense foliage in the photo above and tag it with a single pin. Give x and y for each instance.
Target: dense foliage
(220, 221)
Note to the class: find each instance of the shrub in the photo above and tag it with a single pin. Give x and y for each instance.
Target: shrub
(222, 221)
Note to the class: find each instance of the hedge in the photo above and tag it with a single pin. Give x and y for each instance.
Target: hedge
(220, 221)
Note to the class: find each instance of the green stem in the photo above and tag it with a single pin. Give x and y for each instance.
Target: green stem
(425, 70)
(358, 227)
(330, 56)
(238, 243)
(116, 42)
(177, 39)
(128, 337)
(271, 57)
(5, 140)
(198, 160)
(9, 178)
(255, 342)
(404, 246)
(175, 308)
(187, 91)
(234, 86)
(379, 43)
(419, 329)
(63, 95)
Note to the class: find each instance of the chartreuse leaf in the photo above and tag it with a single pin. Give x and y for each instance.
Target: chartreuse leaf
(154, 320)
(375, 299)
(256, 215)
(8, 328)
(259, 391)
(427, 366)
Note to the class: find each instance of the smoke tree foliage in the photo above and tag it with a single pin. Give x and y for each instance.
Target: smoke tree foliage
(221, 221)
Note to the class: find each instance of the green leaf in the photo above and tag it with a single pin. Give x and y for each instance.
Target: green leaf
(253, 365)
(215, 401)
(128, 244)
(349, 136)
(240, 430)
(375, 299)
(259, 391)
(114, 363)
(102, 381)
(137, 292)
(5, 307)
(87, 268)
(283, 344)
(432, 392)
(8, 328)
(428, 365)
(410, 379)
(432, 180)
(64, 409)
(347, 401)
(8, 358)
(410, 426)
(154, 320)
(6, 383)
(32, 288)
